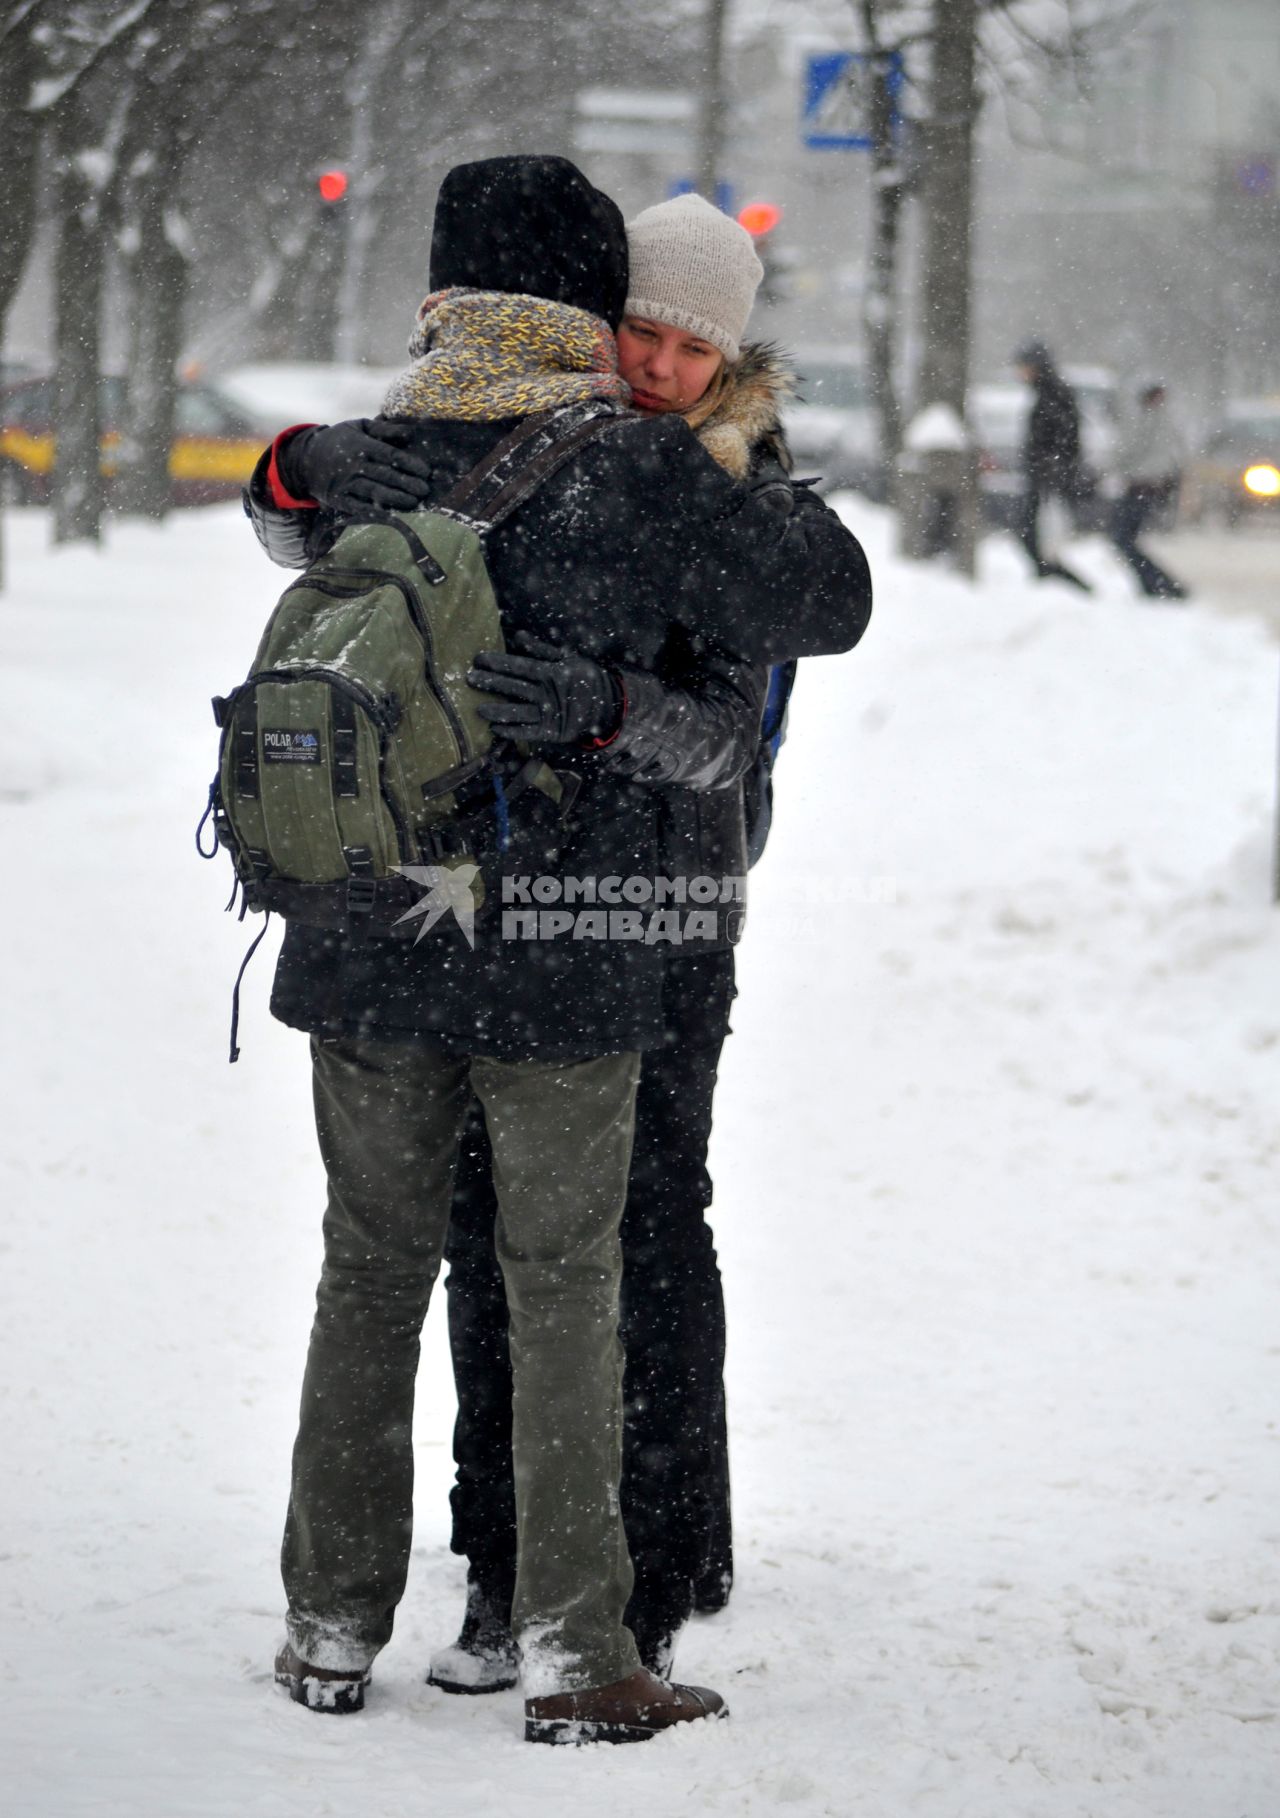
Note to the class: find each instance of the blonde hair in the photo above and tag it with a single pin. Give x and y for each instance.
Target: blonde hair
(697, 413)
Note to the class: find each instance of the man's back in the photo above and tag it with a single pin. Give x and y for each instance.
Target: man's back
(641, 531)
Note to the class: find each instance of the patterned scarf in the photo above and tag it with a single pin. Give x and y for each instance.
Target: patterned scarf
(488, 354)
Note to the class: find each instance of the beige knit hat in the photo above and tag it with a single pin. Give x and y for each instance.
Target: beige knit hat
(693, 268)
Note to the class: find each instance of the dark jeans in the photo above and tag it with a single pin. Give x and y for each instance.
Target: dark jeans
(1027, 530)
(1132, 512)
(675, 1478)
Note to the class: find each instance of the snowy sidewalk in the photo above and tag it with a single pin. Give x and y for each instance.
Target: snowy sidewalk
(996, 1160)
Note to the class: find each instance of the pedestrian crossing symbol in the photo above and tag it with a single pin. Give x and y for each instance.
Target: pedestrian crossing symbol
(837, 100)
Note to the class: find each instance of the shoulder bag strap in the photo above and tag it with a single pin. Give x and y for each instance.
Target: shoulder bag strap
(522, 460)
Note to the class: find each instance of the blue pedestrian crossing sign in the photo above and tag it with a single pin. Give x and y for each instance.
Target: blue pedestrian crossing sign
(837, 100)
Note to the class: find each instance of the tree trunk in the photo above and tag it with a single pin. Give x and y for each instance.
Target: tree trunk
(879, 308)
(712, 112)
(274, 326)
(158, 291)
(19, 152)
(939, 479)
(77, 475)
(366, 97)
(19, 147)
(949, 204)
(360, 231)
(316, 322)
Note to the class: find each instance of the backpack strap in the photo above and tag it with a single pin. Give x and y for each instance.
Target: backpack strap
(522, 460)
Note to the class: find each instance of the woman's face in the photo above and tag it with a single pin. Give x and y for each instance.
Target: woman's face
(667, 368)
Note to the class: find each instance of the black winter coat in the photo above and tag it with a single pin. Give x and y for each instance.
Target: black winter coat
(713, 825)
(640, 547)
(1051, 450)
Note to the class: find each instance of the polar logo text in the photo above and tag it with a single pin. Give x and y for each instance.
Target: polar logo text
(286, 745)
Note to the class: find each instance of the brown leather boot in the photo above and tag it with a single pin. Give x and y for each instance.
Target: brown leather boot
(321, 1688)
(631, 1710)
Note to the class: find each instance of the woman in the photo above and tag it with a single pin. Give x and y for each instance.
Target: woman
(694, 274)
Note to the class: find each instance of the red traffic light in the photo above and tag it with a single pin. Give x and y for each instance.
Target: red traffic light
(333, 185)
(759, 218)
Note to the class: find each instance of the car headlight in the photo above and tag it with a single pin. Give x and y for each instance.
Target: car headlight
(1263, 481)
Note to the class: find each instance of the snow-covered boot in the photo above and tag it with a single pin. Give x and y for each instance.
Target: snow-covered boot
(336, 1691)
(711, 1592)
(484, 1657)
(655, 1642)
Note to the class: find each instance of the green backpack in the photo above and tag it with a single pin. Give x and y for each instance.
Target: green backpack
(354, 748)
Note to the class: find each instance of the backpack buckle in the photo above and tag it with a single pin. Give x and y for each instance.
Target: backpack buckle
(570, 784)
(446, 841)
(362, 885)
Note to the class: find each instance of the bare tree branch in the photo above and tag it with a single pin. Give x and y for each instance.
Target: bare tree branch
(51, 90)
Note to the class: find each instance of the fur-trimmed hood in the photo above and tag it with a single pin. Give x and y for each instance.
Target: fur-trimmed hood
(745, 428)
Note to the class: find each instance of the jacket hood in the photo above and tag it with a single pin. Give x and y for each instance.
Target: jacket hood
(746, 425)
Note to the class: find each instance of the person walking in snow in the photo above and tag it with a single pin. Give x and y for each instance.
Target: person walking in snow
(694, 274)
(1051, 462)
(529, 278)
(1148, 472)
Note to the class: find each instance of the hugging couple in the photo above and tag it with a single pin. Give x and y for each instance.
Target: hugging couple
(539, 1110)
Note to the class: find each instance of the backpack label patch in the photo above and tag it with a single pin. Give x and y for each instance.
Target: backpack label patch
(285, 745)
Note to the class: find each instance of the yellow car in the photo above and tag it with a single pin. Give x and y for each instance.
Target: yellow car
(1238, 474)
(213, 453)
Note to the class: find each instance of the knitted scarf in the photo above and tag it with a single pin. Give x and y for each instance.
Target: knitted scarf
(487, 354)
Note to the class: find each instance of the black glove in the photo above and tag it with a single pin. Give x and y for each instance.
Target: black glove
(771, 484)
(350, 466)
(549, 696)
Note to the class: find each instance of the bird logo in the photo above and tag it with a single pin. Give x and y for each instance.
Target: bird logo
(446, 890)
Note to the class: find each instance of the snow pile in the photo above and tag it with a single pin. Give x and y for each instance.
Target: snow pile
(996, 1157)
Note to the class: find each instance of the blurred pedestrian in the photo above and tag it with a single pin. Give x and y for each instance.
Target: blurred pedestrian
(1148, 473)
(1051, 462)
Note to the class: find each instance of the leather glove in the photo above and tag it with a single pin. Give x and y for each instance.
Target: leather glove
(547, 695)
(771, 484)
(351, 466)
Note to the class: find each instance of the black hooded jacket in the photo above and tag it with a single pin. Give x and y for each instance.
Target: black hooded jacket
(1051, 450)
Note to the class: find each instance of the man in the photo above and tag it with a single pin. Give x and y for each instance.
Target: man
(1050, 454)
(1148, 470)
(638, 540)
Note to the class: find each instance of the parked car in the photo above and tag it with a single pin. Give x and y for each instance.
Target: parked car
(998, 418)
(830, 425)
(213, 452)
(1236, 476)
(275, 394)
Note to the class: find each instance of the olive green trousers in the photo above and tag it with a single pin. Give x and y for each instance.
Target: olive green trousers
(389, 1117)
